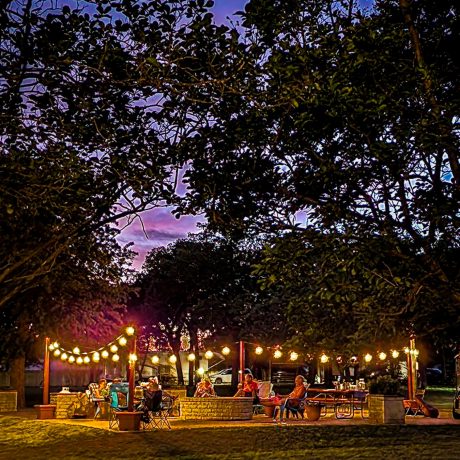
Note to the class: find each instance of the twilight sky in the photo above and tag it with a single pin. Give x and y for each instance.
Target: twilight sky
(159, 227)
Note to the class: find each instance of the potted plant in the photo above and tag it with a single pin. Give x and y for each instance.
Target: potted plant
(385, 402)
(312, 410)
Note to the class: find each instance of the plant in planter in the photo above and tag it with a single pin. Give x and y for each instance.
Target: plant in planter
(385, 402)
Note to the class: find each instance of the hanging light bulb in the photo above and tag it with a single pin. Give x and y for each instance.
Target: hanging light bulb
(132, 357)
(225, 351)
(115, 358)
(155, 359)
(200, 371)
(382, 356)
(79, 360)
(105, 354)
(71, 359)
(96, 357)
(57, 352)
(209, 354)
(51, 347)
(324, 358)
(173, 359)
(76, 351)
(55, 344)
(191, 357)
(64, 356)
(130, 330)
(277, 354)
(113, 348)
(368, 358)
(122, 341)
(293, 356)
(86, 360)
(406, 350)
(395, 354)
(416, 352)
(259, 350)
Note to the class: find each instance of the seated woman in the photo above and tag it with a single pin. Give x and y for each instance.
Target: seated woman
(251, 389)
(204, 389)
(240, 393)
(294, 398)
(100, 394)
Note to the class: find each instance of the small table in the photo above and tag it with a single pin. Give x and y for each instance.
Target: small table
(343, 402)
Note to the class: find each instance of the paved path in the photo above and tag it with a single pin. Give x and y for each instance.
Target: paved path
(445, 418)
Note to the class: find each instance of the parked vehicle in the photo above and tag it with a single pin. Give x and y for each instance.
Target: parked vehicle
(284, 374)
(224, 376)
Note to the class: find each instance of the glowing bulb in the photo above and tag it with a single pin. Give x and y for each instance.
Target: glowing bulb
(76, 351)
(173, 359)
(79, 360)
(225, 351)
(416, 352)
(115, 358)
(191, 357)
(155, 359)
(323, 358)
(406, 350)
(259, 350)
(71, 359)
(113, 348)
(105, 354)
(132, 357)
(96, 357)
(130, 330)
(200, 371)
(64, 356)
(86, 360)
(277, 354)
(368, 358)
(122, 341)
(382, 356)
(57, 352)
(395, 354)
(51, 347)
(55, 344)
(209, 354)
(293, 356)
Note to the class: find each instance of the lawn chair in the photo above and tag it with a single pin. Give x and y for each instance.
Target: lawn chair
(155, 410)
(117, 389)
(92, 396)
(264, 391)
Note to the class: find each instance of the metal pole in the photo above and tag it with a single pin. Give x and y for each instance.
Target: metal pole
(413, 367)
(410, 394)
(241, 378)
(46, 373)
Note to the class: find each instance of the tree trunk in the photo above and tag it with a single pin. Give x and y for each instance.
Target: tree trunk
(17, 379)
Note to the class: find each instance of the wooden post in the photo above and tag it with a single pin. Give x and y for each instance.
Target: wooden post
(241, 378)
(131, 375)
(46, 373)
(413, 354)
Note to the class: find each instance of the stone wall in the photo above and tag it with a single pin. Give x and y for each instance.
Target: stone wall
(8, 401)
(216, 408)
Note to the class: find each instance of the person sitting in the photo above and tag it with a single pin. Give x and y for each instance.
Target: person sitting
(240, 393)
(152, 400)
(204, 389)
(251, 389)
(100, 394)
(294, 398)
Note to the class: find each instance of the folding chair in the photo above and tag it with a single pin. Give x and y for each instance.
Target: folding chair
(155, 410)
(413, 407)
(115, 407)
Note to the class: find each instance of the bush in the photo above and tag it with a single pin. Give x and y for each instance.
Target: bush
(384, 385)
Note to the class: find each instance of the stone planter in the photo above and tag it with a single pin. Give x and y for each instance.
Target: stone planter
(129, 421)
(386, 409)
(312, 412)
(45, 411)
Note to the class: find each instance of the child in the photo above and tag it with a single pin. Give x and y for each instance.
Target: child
(240, 392)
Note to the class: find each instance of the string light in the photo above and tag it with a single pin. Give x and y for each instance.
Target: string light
(122, 341)
(105, 354)
(324, 358)
(96, 357)
(115, 358)
(190, 357)
(71, 359)
(130, 330)
(225, 351)
(382, 356)
(64, 356)
(79, 360)
(259, 350)
(132, 357)
(368, 358)
(86, 360)
(209, 354)
(76, 351)
(155, 359)
(293, 356)
(395, 354)
(57, 352)
(55, 344)
(277, 354)
(173, 359)
(200, 371)
(113, 348)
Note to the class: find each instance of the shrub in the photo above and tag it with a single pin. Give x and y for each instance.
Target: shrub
(384, 385)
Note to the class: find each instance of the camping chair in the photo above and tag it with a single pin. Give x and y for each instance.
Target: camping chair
(92, 396)
(115, 406)
(264, 391)
(294, 408)
(155, 411)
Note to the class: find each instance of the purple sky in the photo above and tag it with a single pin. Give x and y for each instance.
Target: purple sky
(159, 226)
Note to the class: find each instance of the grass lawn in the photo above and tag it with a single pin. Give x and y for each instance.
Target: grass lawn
(34, 439)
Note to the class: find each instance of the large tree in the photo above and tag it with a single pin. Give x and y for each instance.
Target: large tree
(203, 287)
(344, 122)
